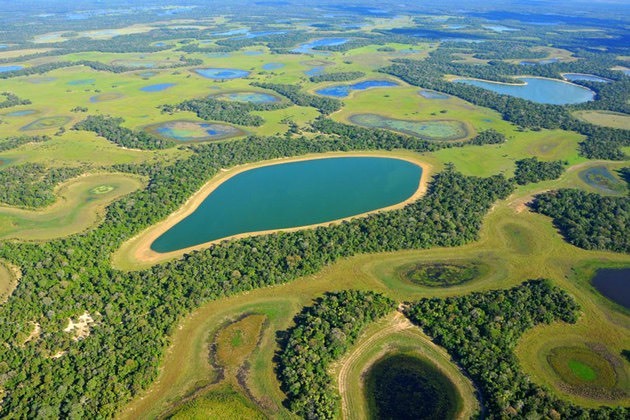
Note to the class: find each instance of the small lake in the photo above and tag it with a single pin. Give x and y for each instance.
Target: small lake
(245, 96)
(81, 82)
(574, 77)
(294, 194)
(440, 130)
(157, 87)
(404, 386)
(220, 74)
(192, 131)
(341, 91)
(614, 283)
(272, 66)
(308, 48)
(536, 89)
(315, 71)
(431, 94)
(539, 62)
(500, 28)
(5, 69)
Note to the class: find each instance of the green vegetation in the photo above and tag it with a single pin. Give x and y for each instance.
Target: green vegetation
(337, 77)
(440, 274)
(588, 220)
(322, 334)
(15, 142)
(530, 170)
(46, 123)
(605, 118)
(225, 403)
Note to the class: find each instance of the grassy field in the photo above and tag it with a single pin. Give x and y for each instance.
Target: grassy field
(80, 205)
(605, 118)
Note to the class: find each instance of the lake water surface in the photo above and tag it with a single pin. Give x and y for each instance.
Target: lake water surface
(341, 91)
(537, 89)
(614, 283)
(294, 194)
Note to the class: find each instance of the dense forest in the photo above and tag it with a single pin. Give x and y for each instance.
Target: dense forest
(110, 128)
(323, 333)
(342, 76)
(481, 330)
(588, 220)
(531, 170)
(14, 142)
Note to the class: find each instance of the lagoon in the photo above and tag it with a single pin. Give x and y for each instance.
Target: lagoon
(294, 194)
(537, 89)
(585, 77)
(438, 130)
(308, 48)
(342, 91)
(247, 96)
(192, 131)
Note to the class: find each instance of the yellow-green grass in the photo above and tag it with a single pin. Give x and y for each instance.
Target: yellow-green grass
(223, 403)
(237, 340)
(500, 246)
(392, 335)
(19, 53)
(605, 118)
(9, 276)
(80, 205)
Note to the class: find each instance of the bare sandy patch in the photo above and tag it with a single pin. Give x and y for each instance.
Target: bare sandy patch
(80, 328)
(35, 333)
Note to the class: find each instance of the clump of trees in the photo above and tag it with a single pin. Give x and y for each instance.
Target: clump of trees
(324, 332)
(531, 170)
(588, 220)
(294, 93)
(212, 109)
(490, 136)
(14, 142)
(342, 76)
(481, 330)
(31, 184)
(11, 99)
(110, 128)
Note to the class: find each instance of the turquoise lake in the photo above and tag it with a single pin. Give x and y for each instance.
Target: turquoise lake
(294, 194)
(220, 73)
(536, 89)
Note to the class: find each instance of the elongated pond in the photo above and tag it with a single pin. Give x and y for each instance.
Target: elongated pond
(537, 89)
(294, 194)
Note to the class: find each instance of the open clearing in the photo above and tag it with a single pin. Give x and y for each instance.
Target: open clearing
(605, 118)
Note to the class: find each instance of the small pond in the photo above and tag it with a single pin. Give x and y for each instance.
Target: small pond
(220, 73)
(342, 91)
(192, 131)
(247, 96)
(537, 89)
(157, 87)
(614, 283)
(439, 130)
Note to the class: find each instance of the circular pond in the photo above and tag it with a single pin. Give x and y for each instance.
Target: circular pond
(404, 386)
(248, 96)
(220, 73)
(294, 194)
(192, 131)
(438, 130)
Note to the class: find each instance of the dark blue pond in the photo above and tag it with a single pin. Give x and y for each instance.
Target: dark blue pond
(157, 87)
(325, 42)
(341, 91)
(614, 284)
(539, 63)
(272, 66)
(219, 73)
(586, 77)
(4, 69)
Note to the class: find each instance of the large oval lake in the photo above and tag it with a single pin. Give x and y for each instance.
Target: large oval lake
(537, 89)
(294, 194)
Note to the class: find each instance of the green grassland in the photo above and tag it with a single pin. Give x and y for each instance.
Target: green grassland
(8, 281)
(81, 204)
(605, 118)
